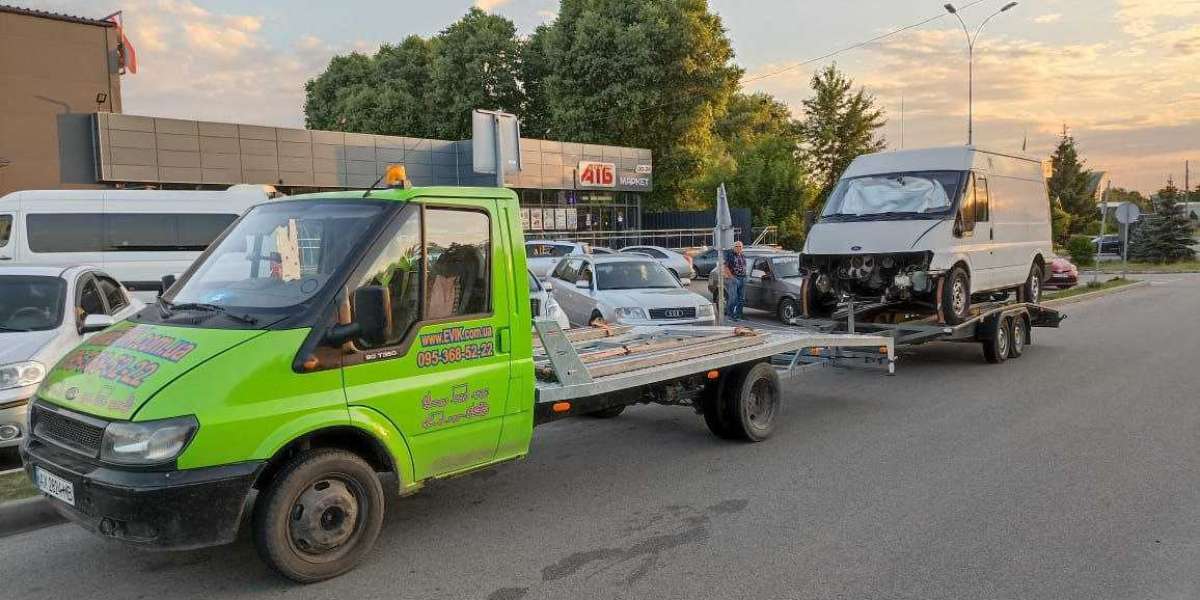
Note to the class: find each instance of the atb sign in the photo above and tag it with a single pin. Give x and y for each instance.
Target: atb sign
(596, 174)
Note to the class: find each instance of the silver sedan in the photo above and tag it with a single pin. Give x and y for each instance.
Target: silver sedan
(679, 265)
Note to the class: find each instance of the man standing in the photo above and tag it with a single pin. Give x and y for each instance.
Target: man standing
(735, 273)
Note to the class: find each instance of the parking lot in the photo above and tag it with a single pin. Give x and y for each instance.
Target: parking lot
(1071, 473)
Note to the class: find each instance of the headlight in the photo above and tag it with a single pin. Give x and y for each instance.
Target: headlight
(146, 443)
(21, 374)
(630, 312)
(705, 311)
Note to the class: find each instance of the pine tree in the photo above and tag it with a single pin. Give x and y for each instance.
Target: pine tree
(1166, 235)
(840, 124)
(1069, 183)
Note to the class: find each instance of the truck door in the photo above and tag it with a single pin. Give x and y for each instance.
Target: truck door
(442, 374)
(8, 222)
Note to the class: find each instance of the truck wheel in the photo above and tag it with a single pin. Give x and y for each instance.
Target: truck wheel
(319, 516)
(1019, 336)
(752, 402)
(787, 310)
(713, 409)
(608, 413)
(1031, 290)
(996, 349)
(956, 296)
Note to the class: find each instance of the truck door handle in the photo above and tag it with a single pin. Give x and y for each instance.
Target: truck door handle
(503, 340)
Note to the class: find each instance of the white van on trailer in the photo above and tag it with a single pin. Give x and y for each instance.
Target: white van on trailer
(932, 226)
(137, 236)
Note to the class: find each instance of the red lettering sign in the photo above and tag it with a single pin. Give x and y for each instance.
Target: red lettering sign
(597, 174)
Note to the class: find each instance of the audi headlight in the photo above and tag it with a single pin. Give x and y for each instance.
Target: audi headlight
(705, 311)
(631, 312)
(147, 443)
(21, 374)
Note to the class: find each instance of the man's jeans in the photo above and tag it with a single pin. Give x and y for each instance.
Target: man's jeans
(735, 297)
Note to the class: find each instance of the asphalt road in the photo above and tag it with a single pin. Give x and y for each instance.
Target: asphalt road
(1073, 472)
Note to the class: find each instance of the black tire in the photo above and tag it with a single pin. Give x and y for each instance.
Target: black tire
(996, 348)
(787, 310)
(1031, 290)
(752, 401)
(956, 296)
(713, 409)
(815, 304)
(347, 493)
(1019, 337)
(608, 413)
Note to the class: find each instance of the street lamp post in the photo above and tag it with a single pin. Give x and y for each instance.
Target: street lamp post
(971, 39)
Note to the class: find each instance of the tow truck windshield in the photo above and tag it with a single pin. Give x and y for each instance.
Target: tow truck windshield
(916, 195)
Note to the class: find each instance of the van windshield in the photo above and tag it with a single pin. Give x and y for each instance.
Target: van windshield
(279, 255)
(919, 195)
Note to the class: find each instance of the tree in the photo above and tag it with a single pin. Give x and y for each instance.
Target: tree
(840, 124)
(385, 93)
(1069, 183)
(656, 74)
(475, 64)
(1165, 235)
(1060, 224)
(1118, 195)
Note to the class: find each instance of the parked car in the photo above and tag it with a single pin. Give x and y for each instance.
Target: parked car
(775, 283)
(44, 313)
(1109, 244)
(704, 262)
(629, 289)
(137, 236)
(1063, 274)
(602, 250)
(541, 256)
(543, 303)
(935, 225)
(678, 264)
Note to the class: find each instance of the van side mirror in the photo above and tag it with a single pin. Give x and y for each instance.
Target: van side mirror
(583, 284)
(547, 286)
(94, 323)
(372, 318)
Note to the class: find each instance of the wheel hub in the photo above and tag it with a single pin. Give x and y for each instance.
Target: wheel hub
(323, 517)
(960, 297)
(761, 407)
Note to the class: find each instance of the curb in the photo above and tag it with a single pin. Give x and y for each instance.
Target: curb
(26, 515)
(1096, 294)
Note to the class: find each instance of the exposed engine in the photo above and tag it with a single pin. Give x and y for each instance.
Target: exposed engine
(898, 276)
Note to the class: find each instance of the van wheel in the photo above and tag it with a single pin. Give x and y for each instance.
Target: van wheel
(787, 310)
(319, 516)
(956, 296)
(815, 305)
(752, 402)
(1031, 290)
(1019, 337)
(996, 349)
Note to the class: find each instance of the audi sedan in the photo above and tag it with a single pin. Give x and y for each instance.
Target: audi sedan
(626, 288)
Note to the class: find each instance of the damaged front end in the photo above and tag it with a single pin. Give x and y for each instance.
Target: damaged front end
(890, 277)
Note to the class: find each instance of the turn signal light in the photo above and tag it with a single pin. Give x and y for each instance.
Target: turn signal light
(396, 176)
(713, 374)
(561, 407)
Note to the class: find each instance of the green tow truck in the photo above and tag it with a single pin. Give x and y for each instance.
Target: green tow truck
(327, 339)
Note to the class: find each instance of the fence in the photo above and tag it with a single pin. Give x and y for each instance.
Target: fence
(667, 238)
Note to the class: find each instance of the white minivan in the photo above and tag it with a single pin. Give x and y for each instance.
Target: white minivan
(932, 226)
(138, 236)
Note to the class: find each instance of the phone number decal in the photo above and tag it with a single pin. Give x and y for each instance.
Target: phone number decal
(448, 356)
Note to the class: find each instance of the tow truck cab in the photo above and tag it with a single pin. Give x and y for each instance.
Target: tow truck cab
(319, 341)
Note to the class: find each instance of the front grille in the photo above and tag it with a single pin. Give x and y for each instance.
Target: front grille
(65, 429)
(536, 305)
(673, 313)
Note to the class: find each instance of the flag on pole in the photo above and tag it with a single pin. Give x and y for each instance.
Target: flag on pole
(723, 240)
(125, 49)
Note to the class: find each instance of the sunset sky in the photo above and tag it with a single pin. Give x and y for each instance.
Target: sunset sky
(1124, 75)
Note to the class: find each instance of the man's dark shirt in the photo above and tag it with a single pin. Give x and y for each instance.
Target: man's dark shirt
(736, 263)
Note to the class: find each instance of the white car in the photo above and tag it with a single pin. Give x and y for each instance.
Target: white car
(541, 256)
(543, 303)
(46, 312)
(628, 289)
(678, 264)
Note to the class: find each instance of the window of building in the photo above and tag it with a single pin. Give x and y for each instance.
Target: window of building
(458, 251)
(5, 229)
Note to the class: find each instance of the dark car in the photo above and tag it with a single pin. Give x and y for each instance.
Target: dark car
(706, 261)
(1063, 274)
(775, 283)
(1109, 244)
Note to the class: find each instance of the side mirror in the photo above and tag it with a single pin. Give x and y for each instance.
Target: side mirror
(372, 316)
(584, 284)
(684, 281)
(167, 282)
(94, 323)
(547, 286)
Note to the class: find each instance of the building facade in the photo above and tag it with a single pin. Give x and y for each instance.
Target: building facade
(55, 72)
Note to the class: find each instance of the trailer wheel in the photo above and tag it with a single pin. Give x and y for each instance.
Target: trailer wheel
(608, 413)
(1019, 337)
(956, 296)
(787, 310)
(752, 401)
(319, 516)
(997, 346)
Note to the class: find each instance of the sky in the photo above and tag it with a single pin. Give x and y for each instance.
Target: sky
(1122, 75)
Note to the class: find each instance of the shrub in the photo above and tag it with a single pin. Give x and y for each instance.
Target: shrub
(1081, 249)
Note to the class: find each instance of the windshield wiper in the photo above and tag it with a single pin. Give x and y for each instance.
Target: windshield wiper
(202, 306)
(13, 329)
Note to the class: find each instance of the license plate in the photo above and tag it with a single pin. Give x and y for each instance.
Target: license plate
(55, 486)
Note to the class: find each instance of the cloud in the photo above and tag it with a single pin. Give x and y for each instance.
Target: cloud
(1144, 18)
(490, 4)
(1048, 18)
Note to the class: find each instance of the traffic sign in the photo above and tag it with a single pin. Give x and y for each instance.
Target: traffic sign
(1128, 212)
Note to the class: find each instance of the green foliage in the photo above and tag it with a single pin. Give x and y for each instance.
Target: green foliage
(1118, 195)
(1081, 249)
(840, 123)
(1069, 183)
(476, 64)
(655, 74)
(1060, 224)
(1166, 235)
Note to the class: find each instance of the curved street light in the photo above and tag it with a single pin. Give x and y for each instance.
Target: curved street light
(971, 39)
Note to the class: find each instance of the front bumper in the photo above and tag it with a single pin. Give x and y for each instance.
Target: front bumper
(156, 510)
(14, 415)
(668, 322)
